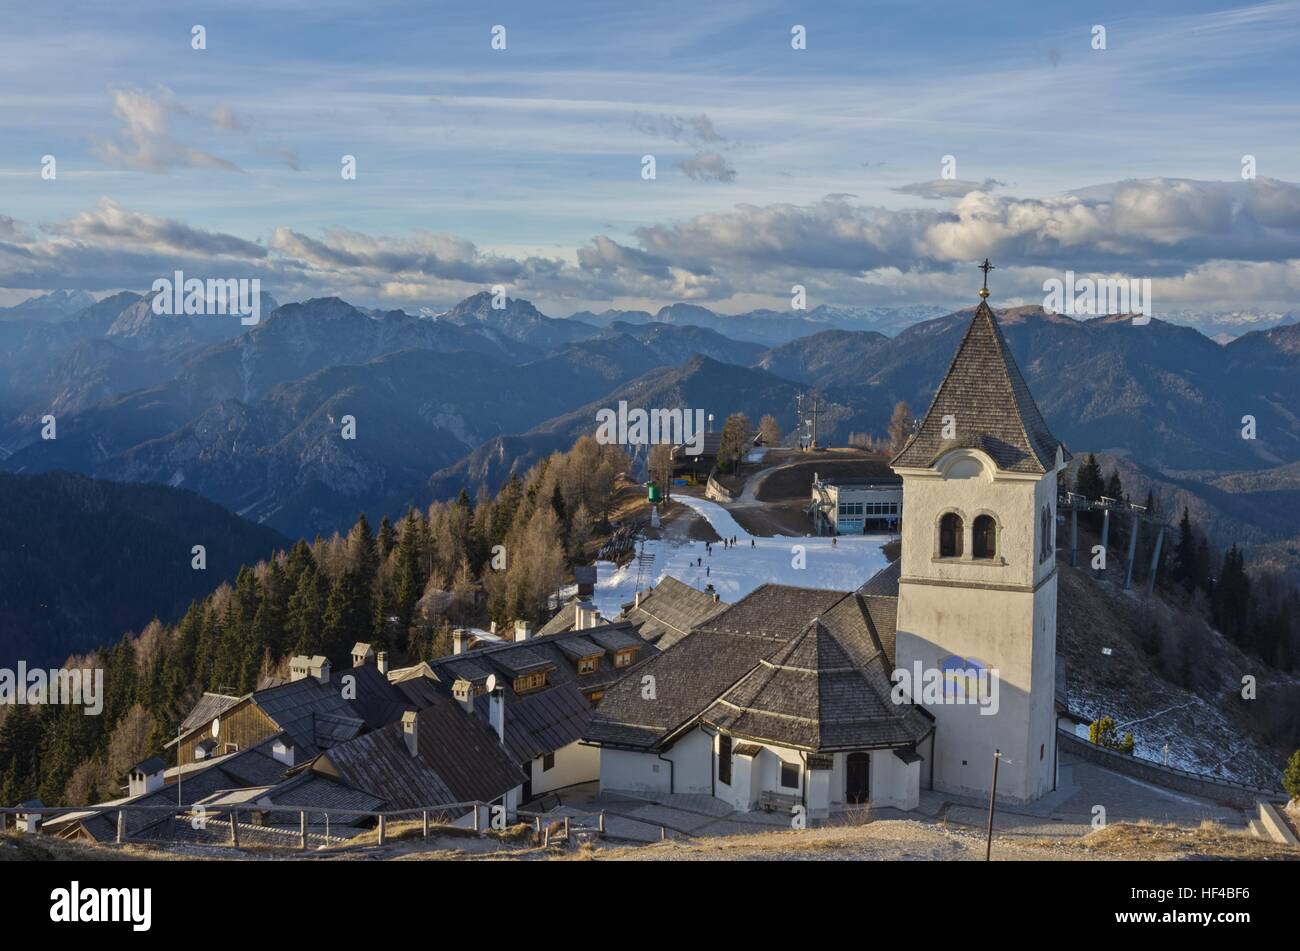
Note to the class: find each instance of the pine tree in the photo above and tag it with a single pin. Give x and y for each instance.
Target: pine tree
(270, 625)
(348, 617)
(306, 621)
(387, 538)
(1184, 570)
(1088, 481)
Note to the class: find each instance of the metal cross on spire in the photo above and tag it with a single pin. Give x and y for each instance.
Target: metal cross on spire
(986, 267)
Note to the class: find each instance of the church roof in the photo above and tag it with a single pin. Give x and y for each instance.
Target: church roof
(826, 689)
(801, 667)
(991, 405)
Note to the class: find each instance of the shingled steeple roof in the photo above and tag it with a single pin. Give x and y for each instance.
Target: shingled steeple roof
(991, 406)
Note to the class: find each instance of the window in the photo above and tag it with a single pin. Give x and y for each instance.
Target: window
(548, 762)
(588, 664)
(595, 695)
(790, 775)
(624, 657)
(530, 682)
(984, 543)
(950, 532)
(1045, 547)
(724, 759)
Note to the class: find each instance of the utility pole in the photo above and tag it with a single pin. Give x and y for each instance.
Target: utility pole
(813, 413)
(993, 794)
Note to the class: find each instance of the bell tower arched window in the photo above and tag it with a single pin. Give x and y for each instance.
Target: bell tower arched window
(950, 535)
(984, 538)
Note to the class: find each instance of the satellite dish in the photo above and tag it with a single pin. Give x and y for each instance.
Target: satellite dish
(491, 682)
(216, 728)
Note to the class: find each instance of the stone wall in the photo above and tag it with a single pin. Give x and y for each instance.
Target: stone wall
(1180, 780)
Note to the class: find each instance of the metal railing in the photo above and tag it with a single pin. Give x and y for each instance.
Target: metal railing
(484, 819)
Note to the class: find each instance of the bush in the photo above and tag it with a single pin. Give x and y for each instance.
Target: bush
(1291, 776)
(1103, 732)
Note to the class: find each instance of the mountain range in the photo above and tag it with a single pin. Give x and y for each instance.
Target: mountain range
(253, 417)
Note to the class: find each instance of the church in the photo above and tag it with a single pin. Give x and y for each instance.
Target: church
(806, 697)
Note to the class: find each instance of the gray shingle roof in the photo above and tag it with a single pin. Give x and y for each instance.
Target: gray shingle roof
(209, 707)
(670, 611)
(314, 715)
(885, 581)
(460, 759)
(541, 721)
(991, 405)
(799, 666)
(826, 689)
(254, 766)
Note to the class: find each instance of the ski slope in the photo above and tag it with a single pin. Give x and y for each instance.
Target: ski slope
(735, 572)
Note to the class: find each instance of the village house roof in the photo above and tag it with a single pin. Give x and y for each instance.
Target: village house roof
(780, 652)
(314, 714)
(209, 707)
(542, 720)
(458, 759)
(252, 767)
(371, 697)
(991, 406)
(669, 611)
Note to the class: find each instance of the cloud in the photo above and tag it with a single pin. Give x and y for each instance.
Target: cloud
(941, 188)
(145, 141)
(694, 130)
(708, 166)
(1205, 245)
(109, 223)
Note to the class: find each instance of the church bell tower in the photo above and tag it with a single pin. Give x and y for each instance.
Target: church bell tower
(977, 583)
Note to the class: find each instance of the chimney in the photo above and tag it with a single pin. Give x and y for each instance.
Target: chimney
(299, 667)
(282, 751)
(410, 725)
(497, 712)
(492, 628)
(636, 603)
(523, 630)
(458, 641)
(711, 592)
(381, 662)
(146, 777)
(320, 668)
(463, 691)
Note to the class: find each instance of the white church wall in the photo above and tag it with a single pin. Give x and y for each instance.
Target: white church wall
(893, 782)
(574, 764)
(819, 793)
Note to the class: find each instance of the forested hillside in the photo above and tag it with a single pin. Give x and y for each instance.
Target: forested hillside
(82, 561)
(401, 586)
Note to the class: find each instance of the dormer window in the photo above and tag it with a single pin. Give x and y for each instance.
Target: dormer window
(624, 658)
(529, 682)
(950, 535)
(588, 665)
(984, 540)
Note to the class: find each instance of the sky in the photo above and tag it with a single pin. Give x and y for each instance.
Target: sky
(774, 166)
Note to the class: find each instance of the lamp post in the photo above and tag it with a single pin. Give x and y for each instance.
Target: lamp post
(993, 794)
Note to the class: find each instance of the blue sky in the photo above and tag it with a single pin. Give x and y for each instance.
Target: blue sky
(819, 166)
